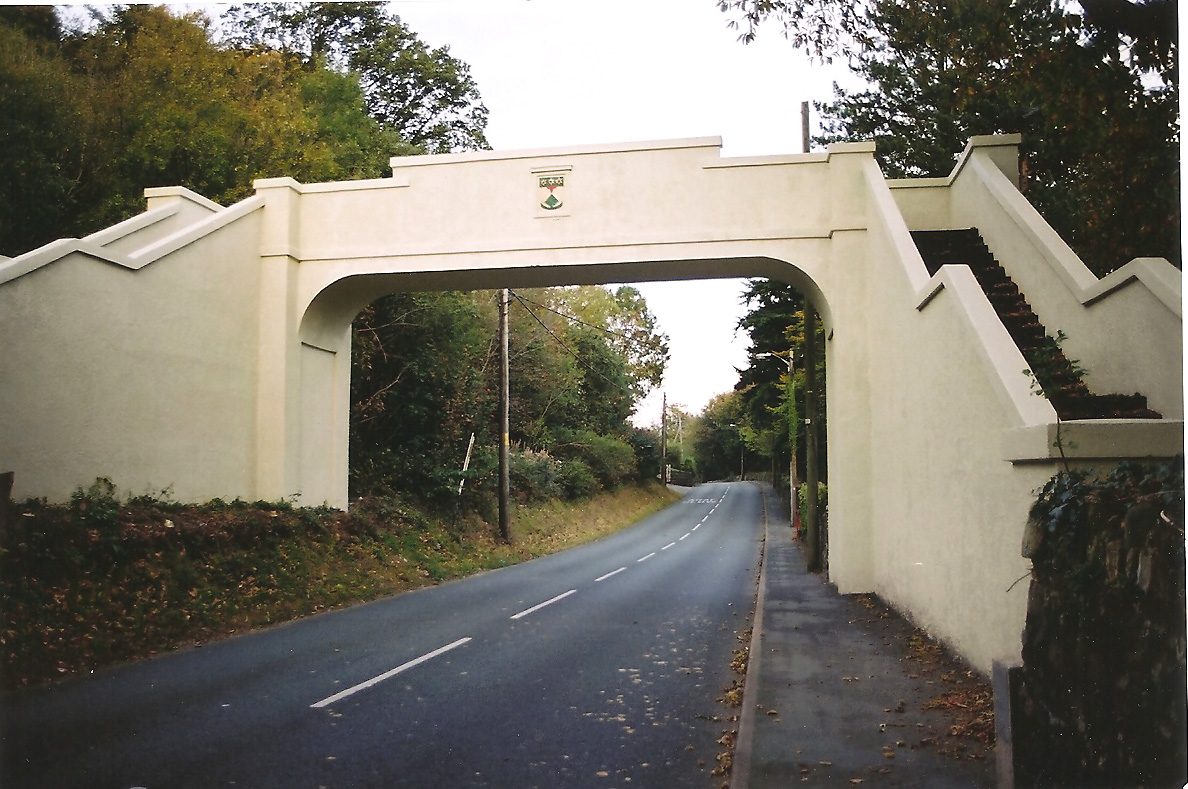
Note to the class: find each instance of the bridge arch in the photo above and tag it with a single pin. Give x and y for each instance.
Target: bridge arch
(321, 422)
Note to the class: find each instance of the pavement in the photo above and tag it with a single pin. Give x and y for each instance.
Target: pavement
(835, 697)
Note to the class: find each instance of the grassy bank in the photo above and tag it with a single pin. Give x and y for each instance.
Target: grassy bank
(101, 581)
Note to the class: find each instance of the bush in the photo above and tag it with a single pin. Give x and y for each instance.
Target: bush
(610, 460)
(534, 475)
(577, 480)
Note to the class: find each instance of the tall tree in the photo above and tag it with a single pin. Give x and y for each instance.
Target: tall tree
(43, 131)
(425, 96)
(622, 315)
(775, 323)
(145, 98)
(1095, 96)
(718, 437)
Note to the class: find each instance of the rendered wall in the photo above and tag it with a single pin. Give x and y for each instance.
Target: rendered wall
(971, 442)
(144, 376)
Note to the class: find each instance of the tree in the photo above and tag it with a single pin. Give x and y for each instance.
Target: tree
(425, 96)
(775, 323)
(419, 387)
(717, 437)
(1094, 95)
(144, 98)
(43, 129)
(622, 315)
(424, 378)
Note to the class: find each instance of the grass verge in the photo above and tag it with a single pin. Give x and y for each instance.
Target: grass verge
(99, 581)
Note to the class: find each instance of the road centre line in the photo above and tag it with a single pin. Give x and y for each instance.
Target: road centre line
(645, 558)
(698, 526)
(608, 575)
(387, 674)
(686, 534)
(539, 606)
(666, 547)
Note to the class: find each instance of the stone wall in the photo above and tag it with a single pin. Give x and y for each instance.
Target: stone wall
(1100, 698)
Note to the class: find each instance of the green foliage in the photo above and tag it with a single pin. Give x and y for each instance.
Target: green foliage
(423, 96)
(43, 127)
(535, 476)
(1063, 504)
(1103, 650)
(771, 403)
(1051, 369)
(1095, 96)
(1110, 187)
(98, 505)
(425, 377)
(577, 480)
(645, 444)
(145, 98)
(802, 491)
(420, 385)
(612, 461)
(717, 440)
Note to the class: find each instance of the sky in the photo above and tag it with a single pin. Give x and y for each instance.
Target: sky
(557, 73)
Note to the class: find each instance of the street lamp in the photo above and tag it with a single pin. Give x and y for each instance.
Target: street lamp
(791, 441)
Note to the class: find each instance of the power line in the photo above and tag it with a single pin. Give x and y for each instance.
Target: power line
(524, 303)
(575, 319)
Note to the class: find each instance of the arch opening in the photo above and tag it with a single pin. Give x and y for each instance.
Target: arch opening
(320, 422)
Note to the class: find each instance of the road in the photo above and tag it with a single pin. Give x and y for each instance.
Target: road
(600, 666)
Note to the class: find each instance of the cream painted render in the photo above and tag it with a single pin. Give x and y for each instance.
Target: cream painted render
(206, 350)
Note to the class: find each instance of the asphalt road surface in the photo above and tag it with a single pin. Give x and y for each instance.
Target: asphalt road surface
(600, 666)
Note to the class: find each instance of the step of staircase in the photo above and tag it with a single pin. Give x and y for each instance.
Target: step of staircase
(1056, 374)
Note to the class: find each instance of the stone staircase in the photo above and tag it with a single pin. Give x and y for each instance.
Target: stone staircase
(1060, 378)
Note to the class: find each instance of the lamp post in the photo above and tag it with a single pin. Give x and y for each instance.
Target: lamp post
(791, 441)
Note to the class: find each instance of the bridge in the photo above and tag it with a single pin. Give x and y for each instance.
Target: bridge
(206, 349)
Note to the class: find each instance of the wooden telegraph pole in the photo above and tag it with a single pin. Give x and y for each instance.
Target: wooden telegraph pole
(504, 422)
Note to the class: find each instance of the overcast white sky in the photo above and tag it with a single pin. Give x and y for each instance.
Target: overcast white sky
(555, 73)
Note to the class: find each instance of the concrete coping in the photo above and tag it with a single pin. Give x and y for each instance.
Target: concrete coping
(423, 160)
(981, 141)
(292, 184)
(1095, 439)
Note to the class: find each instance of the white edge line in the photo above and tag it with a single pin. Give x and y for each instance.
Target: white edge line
(539, 606)
(645, 558)
(666, 547)
(608, 575)
(388, 674)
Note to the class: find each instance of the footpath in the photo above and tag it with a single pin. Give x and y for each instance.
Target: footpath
(834, 696)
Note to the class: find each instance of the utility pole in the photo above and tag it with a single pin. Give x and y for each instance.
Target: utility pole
(664, 439)
(504, 421)
(812, 527)
(804, 126)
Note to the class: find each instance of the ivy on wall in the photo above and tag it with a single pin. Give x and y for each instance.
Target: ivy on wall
(1100, 699)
